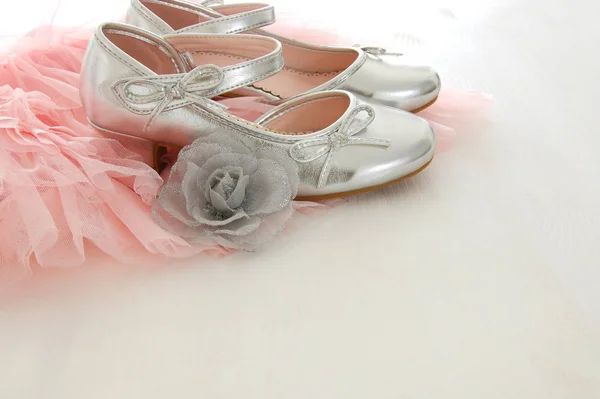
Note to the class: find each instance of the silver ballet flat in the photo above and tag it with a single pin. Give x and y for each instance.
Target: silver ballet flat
(136, 84)
(373, 74)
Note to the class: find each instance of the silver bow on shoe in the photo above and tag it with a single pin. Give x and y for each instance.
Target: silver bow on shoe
(156, 94)
(310, 150)
(376, 51)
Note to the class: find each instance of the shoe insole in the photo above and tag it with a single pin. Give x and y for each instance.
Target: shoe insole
(288, 82)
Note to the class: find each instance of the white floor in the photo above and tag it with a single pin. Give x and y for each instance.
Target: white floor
(478, 279)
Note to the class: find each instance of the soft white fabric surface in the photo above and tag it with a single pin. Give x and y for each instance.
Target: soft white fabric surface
(477, 279)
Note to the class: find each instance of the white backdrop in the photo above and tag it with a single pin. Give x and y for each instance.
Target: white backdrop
(476, 279)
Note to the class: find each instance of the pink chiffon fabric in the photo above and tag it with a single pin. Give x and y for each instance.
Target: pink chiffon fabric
(64, 187)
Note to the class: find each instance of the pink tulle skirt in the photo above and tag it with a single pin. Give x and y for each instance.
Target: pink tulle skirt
(63, 187)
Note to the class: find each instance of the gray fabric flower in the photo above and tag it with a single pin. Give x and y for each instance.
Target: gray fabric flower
(221, 190)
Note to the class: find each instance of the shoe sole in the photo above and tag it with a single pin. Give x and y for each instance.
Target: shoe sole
(429, 104)
(362, 190)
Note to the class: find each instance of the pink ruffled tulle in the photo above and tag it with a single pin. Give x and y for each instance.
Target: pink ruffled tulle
(63, 186)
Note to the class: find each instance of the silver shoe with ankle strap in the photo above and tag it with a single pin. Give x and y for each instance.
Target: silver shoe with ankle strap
(136, 84)
(373, 74)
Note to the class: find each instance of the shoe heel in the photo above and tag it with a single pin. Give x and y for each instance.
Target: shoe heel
(153, 153)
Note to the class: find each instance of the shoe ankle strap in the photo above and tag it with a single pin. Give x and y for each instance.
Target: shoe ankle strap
(263, 56)
(153, 94)
(214, 17)
(211, 3)
(234, 18)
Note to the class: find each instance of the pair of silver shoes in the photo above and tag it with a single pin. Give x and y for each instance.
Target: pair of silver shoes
(343, 115)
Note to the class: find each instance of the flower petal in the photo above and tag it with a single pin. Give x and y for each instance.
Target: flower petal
(199, 152)
(236, 198)
(219, 188)
(269, 227)
(192, 235)
(239, 228)
(269, 190)
(219, 203)
(191, 187)
(283, 159)
(221, 181)
(225, 161)
(197, 212)
(172, 198)
(172, 201)
(211, 219)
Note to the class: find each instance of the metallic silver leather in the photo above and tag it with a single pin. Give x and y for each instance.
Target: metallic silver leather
(139, 15)
(153, 95)
(387, 79)
(382, 78)
(377, 76)
(391, 145)
(312, 149)
(246, 73)
(242, 22)
(211, 3)
(107, 69)
(355, 167)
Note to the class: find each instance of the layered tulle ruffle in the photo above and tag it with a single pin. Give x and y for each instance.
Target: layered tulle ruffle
(61, 184)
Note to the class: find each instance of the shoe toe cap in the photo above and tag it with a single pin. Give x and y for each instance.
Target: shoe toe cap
(396, 82)
(360, 167)
(413, 88)
(412, 142)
